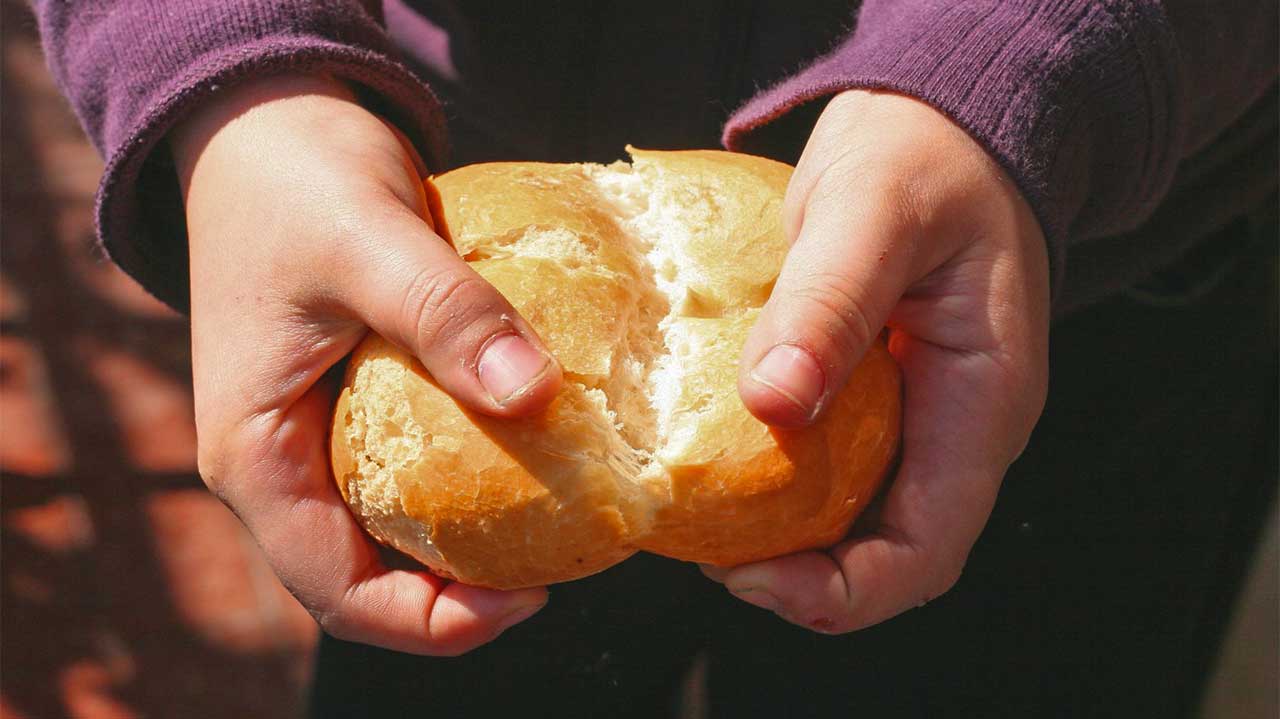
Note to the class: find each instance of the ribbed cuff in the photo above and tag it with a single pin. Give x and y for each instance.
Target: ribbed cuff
(140, 216)
(1075, 98)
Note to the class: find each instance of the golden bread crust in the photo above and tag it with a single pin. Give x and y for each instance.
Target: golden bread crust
(643, 280)
(774, 491)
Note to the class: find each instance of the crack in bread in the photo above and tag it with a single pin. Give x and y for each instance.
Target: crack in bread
(643, 279)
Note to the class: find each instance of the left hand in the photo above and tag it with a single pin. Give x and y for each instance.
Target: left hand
(899, 218)
(306, 229)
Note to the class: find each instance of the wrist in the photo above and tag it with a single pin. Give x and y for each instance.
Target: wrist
(284, 97)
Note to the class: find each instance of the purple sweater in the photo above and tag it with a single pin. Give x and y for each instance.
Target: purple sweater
(1135, 128)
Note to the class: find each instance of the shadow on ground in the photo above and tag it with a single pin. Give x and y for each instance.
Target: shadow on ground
(127, 589)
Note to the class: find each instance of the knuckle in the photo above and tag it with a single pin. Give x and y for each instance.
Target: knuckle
(858, 171)
(441, 303)
(936, 573)
(356, 223)
(1026, 389)
(337, 230)
(891, 188)
(212, 458)
(331, 614)
(945, 579)
(842, 314)
(210, 464)
(331, 622)
(903, 201)
(948, 582)
(344, 614)
(229, 452)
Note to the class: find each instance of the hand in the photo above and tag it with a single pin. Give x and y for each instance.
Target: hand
(899, 218)
(305, 223)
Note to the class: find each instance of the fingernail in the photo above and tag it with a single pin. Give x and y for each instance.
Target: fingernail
(756, 597)
(518, 615)
(509, 366)
(794, 374)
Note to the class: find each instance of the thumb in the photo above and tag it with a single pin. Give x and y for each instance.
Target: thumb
(411, 287)
(851, 261)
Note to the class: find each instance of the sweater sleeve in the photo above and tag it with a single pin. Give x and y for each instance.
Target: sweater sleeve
(1090, 105)
(133, 68)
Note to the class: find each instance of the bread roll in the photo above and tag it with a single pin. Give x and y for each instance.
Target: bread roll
(643, 279)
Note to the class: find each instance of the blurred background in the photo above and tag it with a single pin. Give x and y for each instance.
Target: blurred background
(128, 590)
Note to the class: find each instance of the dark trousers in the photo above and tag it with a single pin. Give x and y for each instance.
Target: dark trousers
(1099, 588)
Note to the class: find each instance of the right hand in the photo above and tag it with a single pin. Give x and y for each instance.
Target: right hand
(305, 222)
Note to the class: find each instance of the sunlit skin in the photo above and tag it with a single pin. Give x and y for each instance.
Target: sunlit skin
(899, 218)
(304, 217)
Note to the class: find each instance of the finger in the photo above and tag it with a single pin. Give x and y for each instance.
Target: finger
(856, 584)
(869, 579)
(853, 258)
(956, 449)
(419, 613)
(805, 588)
(412, 288)
(714, 573)
(289, 503)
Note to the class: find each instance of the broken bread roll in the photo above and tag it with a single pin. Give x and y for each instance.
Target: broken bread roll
(643, 279)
